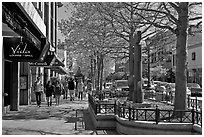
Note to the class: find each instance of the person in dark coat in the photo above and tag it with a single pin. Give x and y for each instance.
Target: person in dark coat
(49, 90)
(71, 86)
(58, 91)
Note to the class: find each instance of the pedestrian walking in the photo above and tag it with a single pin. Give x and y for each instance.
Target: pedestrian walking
(89, 87)
(71, 86)
(168, 92)
(80, 88)
(49, 90)
(38, 90)
(65, 90)
(58, 90)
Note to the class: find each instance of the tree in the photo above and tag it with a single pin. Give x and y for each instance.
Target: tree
(176, 17)
(90, 34)
(124, 24)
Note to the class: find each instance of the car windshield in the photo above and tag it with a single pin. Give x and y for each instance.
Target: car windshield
(163, 83)
(193, 85)
(108, 84)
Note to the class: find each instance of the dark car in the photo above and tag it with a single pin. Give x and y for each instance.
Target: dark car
(196, 90)
(122, 88)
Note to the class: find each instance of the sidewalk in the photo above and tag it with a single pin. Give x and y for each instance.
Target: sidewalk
(54, 120)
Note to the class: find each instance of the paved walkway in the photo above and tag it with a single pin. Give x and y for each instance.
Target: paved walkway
(54, 120)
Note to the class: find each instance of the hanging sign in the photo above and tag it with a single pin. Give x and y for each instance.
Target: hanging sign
(20, 49)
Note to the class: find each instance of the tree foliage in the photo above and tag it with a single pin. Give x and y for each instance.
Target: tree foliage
(107, 29)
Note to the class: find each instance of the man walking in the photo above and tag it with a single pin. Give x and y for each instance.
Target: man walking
(38, 91)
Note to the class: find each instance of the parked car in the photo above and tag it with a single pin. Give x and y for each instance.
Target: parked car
(108, 85)
(161, 87)
(122, 87)
(193, 85)
(172, 87)
(145, 84)
(195, 89)
(155, 83)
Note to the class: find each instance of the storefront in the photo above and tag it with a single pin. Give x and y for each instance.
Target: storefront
(52, 66)
(24, 41)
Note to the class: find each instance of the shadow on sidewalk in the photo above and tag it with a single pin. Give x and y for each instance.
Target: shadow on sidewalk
(88, 122)
(82, 119)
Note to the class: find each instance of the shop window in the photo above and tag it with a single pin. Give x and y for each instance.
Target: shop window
(193, 56)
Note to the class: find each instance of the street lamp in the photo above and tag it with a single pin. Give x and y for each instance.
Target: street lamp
(148, 41)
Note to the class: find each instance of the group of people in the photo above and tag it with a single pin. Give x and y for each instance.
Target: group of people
(56, 89)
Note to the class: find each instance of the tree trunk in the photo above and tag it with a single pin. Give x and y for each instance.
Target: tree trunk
(98, 72)
(181, 57)
(101, 75)
(94, 72)
(138, 95)
(131, 69)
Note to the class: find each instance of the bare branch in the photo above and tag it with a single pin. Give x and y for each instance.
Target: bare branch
(195, 3)
(195, 18)
(176, 7)
(169, 14)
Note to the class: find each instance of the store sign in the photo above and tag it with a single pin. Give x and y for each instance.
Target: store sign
(38, 64)
(20, 49)
(47, 61)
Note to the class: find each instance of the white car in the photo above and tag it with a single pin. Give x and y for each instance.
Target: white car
(108, 85)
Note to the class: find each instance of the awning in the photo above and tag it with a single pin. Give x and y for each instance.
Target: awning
(6, 31)
(51, 60)
(49, 57)
(59, 70)
(57, 62)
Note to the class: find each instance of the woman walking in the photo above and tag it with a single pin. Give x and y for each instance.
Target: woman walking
(58, 90)
(49, 90)
(80, 88)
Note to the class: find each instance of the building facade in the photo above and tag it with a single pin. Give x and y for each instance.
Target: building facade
(194, 58)
(165, 56)
(29, 45)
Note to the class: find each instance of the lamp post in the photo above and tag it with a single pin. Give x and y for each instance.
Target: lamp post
(147, 41)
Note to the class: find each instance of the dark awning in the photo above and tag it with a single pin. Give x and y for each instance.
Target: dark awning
(57, 62)
(59, 70)
(6, 31)
(47, 61)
